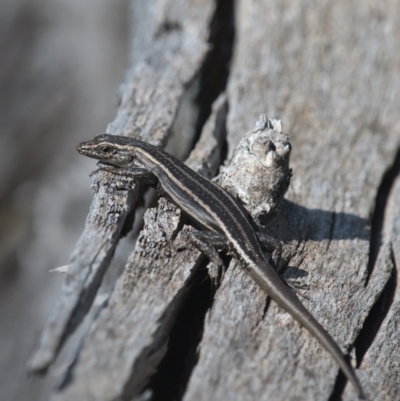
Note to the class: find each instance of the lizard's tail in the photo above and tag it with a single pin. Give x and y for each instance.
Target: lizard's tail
(266, 277)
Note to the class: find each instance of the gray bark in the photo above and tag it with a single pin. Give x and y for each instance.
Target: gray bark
(330, 71)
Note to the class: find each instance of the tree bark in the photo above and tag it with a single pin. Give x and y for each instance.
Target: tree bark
(330, 71)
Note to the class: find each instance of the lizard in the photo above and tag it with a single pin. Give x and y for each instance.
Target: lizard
(223, 221)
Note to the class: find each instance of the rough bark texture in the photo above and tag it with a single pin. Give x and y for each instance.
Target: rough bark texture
(330, 71)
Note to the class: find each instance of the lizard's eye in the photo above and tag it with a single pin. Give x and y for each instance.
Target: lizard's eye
(106, 149)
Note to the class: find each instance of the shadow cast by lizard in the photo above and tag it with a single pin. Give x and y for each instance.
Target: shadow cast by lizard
(314, 224)
(294, 225)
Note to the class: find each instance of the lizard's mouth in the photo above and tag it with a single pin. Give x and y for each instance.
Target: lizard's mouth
(103, 163)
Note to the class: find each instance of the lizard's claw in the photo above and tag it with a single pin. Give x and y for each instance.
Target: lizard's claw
(216, 272)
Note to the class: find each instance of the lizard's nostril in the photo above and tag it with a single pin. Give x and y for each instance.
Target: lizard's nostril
(82, 149)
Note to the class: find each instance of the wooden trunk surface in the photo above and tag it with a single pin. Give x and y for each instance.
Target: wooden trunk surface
(331, 72)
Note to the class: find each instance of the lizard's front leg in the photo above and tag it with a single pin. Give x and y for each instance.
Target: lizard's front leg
(138, 173)
(207, 242)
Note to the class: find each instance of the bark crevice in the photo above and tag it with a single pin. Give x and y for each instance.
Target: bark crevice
(173, 373)
(378, 216)
(377, 315)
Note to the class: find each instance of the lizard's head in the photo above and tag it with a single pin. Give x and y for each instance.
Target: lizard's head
(109, 149)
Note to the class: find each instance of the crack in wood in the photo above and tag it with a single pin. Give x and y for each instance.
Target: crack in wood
(377, 315)
(215, 71)
(370, 329)
(173, 373)
(340, 384)
(378, 216)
